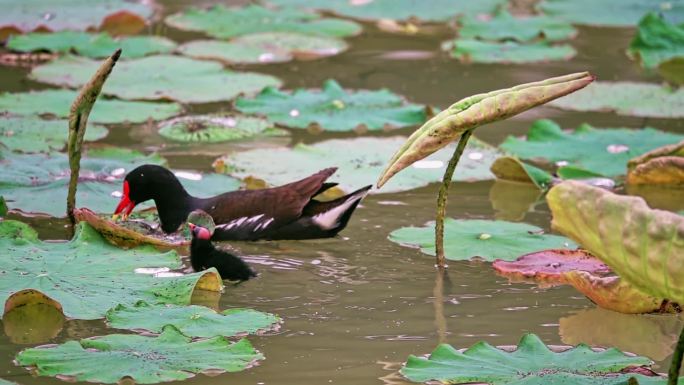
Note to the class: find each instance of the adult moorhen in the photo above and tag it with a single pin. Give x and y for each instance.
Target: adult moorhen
(284, 212)
(204, 255)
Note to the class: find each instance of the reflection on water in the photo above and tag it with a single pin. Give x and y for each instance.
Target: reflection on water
(33, 324)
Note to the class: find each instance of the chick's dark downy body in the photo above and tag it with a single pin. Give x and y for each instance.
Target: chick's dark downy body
(204, 255)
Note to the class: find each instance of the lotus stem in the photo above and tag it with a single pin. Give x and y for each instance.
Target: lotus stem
(78, 120)
(438, 294)
(673, 373)
(442, 198)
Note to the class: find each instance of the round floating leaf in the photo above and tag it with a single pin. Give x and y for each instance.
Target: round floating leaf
(478, 51)
(489, 240)
(87, 276)
(91, 45)
(223, 22)
(158, 77)
(192, 321)
(30, 15)
(657, 41)
(358, 160)
(434, 10)
(265, 47)
(600, 151)
(334, 108)
(58, 102)
(611, 13)
(627, 98)
(504, 26)
(512, 169)
(147, 360)
(642, 245)
(217, 128)
(32, 134)
(531, 363)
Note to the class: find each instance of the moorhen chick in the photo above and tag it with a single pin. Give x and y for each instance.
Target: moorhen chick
(204, 255)
(284, 212)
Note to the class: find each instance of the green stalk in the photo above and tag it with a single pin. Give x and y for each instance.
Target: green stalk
(78, 119)
(673, 373)
(442, 197)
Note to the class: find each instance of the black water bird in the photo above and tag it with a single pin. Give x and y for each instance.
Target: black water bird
(204, 255)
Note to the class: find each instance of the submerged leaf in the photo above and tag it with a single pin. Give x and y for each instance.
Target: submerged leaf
(478, 51)
(32, 134)
(217, 128)
(504, 26)
(147, 360)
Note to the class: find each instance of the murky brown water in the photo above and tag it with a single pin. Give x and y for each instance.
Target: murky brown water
(356, 306)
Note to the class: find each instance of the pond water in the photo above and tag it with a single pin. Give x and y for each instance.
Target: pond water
(354, 307)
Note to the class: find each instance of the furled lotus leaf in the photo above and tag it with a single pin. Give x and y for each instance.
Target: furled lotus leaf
(171, 356)
(32, 134)
(642, 245)
(511, 201)
(489, 240)
(504, 26)
(33, 323)
(653, 336)
(57, 103)
(87, 276)
(91, 45)
(615, 294)
(512, 169)
(610, 13)
(550, 266)
(475, 111)
(217, 128)
(201, 218)
(662, 166)
(192, 321)
(334, 108)
(479, 51)
(530, 363)
(158, 77)
(224, 22)
(657, 41)
(673, 70)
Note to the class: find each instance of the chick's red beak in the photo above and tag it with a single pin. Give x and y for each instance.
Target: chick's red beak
(125, 206)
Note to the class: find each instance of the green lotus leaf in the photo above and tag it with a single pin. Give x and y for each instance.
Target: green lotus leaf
(512, 169)
(57, 103)
(657, 41)
(32, 134)
(504, 26)
(158, 77)
(358, 160)
(435, 10)
(217, 128)
(599, 151)
(531, 363)
(627, 98)
(489, 240)
(477, 110)
(171, 356)
(223, 22)
(192, 321)
(610, 13)
(265, 47)
(642, 245)
(5, 382)
(92, 45)
(29, 15)
(478, 51)
(86, 276)
(334, 108)
(673, 70)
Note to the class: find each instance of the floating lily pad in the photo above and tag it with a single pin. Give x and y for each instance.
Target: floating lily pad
(504, 26)
(550, 266)
(91, 45)
(478, 51)
(158, 77)
(58, 102)
(489, 240)
(657, 41)
(435, 10)
(531, 363)
(192, 321)
(32, 134)
(611, 13)
(217, 128)
(87, 276)
(600, 151)
(359, 162)
(5, 382)
(265, 47)
(224, 22)
(627, 98)
(147, 360)
(661, 166)
(334, 108)
(512, 169)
